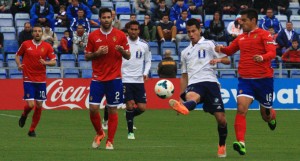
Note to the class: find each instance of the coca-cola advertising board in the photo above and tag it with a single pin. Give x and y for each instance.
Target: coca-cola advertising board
(71, 93)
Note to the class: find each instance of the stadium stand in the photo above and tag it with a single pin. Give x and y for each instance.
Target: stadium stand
(86, 73)
(11, 46)
(168, 45)
(123, 8)
(53, 73)
(154, 48)
(71, 73)
(9, 33)
(15, 74)
(6, 19)
(3, 74)
(21, 18)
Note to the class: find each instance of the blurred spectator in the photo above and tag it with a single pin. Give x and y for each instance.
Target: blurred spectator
(66, 44)
(211, 6)
(1, 43)
(56, 4)
(261, 6)
(234, 29)
(5, 6)
(96, 6)
(273, 34)
(228, 7)
(270, 21)
(50, 37)
(291, 57)
(166, 29)
(131, 18)
(195, 6)
(72, 10)
(116, 23)
(25, 34)
(216, 28)
(281, 7)
(42, 12)
(242, 4)
(142, 6)
(285, 37)
(181, 27)
(167, 68)
(148, 29)
(160, 11)
(80, 38)
(61, 18)
(20, 6)
(176, 10)
(80, 20)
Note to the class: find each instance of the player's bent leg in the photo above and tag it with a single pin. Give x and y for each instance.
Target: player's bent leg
(27, 108)
(178, 106)
(269, 116)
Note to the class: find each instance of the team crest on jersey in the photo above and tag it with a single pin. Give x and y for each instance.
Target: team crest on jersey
(216, 100)
(241, 91)
(255, 36)
(91, 98)
(114, 38)
(42, 49)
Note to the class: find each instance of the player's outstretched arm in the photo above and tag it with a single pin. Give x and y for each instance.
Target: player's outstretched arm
(224, 60)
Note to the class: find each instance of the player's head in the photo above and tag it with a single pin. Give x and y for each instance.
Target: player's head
(37, 32)
(133, 30)
(193, 30)
(249, 19)
(105, 17)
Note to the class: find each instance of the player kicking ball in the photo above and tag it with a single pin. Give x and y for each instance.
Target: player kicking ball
(199, 83)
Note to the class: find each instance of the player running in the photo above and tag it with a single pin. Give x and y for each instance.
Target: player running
(256, 74)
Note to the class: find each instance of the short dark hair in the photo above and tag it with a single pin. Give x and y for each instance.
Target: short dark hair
(26, 23)
(66, 31)
(104, 10)
(38, 25)
(133, 23)
(165, 14)
(132, 14)
(251, 13)
(192, 22)
(80, 9)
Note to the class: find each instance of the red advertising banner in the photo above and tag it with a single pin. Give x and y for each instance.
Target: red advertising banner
(71, 93)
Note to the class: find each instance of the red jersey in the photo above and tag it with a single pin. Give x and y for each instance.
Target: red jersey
(291, 55)
(107, 67)
(31, 52)
(256, 42)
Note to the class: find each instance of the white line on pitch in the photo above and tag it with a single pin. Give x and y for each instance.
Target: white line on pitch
(9, 115)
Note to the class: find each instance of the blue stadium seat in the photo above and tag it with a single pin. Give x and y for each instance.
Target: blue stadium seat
(294, 6)
(168, 45)
(208, 17)
(182, 45)
(11, 63)
(124, 19)
(274, 64)
(107, 4)
(198, 17)
(154, 64)
(123, 8)
(224, 43)
(175, 57)
(59, 32)
(85, 64)
(224, 66)
(6, 19)
(1, 60)
(9, 33)
(227, 74)
(3, 74)
(15, 74)
(81, 58)
(156, 58)
(21, 18)
(296, 20)
(53, 73)
(95, 17)
(140, 18)
(11, 46)
(228, 18)
(67, 57)
(153, 73)
(71, 73)
(86, 73)
(284, 74)
(282, 19)
(154, 48)
(295, 73)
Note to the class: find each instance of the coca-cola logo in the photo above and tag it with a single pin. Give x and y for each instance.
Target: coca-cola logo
(60, 94)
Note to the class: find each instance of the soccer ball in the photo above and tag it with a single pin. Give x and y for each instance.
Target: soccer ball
(164, 88)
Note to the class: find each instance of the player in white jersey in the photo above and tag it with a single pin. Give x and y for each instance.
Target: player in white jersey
(134, 72)
(199, 83)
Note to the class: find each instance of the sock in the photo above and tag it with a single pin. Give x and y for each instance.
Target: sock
(105, 113)
(273, 117)
(129, 119)
(190, 105)
(222, 134)
(96, 121)
(26, 111)
(35, 118)
(137, 112)
(112, 126)
(240, 127)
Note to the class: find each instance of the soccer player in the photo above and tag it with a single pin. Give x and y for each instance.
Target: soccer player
(135, 71)
(105, 49)
(256, 74)
(34, 54)
(199, 83)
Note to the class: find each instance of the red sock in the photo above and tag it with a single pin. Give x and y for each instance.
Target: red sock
(273, 112)
(240, 127)
(112, 126)
(96, 121)
(35, 118)
(26, 111)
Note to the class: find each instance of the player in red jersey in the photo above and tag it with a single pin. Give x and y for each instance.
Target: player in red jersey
(34, 55)
(257, 49)
(105, 49)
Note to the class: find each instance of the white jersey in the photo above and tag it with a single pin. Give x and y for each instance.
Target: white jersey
(139, 63)
(195, 62)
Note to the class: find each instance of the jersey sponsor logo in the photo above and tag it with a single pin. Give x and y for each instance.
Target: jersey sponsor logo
(98, 40)
(271, 42)
(242, 38)
(114, 38)
(29, 48)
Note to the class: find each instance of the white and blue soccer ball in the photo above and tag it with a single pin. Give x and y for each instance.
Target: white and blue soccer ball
(164, 88)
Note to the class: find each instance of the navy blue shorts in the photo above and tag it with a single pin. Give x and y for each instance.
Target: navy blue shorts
(259, 89)
(210, 96)
(35, 91)
(113, 90)
(134, 91)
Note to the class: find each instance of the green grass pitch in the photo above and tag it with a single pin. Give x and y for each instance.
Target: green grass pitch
(66, 135)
